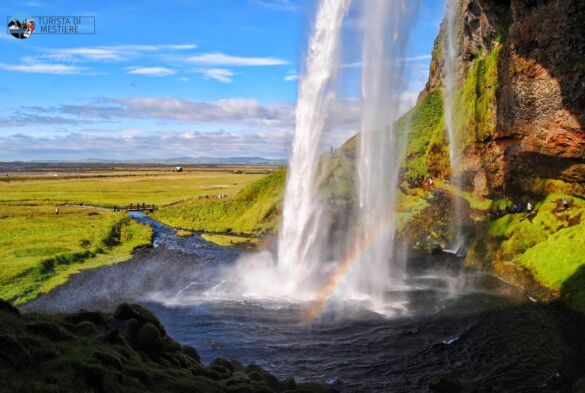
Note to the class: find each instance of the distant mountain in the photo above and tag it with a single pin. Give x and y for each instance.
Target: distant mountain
(179, 160)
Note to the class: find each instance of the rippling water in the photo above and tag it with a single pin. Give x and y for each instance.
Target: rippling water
(446, 324)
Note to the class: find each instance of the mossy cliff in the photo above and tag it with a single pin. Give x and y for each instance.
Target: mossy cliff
(128, 351)
(519, 112)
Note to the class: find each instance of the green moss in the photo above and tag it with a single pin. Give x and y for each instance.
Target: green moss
(476, 122)
(426, 148)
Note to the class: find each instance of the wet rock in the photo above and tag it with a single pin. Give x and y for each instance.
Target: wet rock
(445, 385)
(149, 339)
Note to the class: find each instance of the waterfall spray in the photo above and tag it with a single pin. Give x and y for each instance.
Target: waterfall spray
(450, 82)
(380, 147)
(301, 239)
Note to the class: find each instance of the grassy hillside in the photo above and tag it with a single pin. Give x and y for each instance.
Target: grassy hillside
(548, 244)
(39, 250)
(253, 210)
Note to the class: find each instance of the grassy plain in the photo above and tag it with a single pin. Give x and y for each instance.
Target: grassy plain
(40, 249)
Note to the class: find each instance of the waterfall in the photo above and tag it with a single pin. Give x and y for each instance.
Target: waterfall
(366, 267)
(386, 25)
(450, 82)
(301, 240)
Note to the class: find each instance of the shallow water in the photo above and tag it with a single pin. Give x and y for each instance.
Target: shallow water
(445, 324)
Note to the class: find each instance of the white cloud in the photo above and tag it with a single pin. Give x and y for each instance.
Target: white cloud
(283, 5)
(293, 76)
(42, 68)
(219, 74)
(151, 71)
(221, 59)
(136, 144)
(115, 53)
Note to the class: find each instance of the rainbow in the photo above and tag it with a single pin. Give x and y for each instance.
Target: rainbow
(325, 295)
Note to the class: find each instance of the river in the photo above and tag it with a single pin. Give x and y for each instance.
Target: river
(453, 329)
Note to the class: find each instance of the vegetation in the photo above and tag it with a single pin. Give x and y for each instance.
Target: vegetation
(231, 240)
(128, 351)
(477, 121)
(39, 249)
(254, 210)
(426, 148)
(549, 243)
(114, 190)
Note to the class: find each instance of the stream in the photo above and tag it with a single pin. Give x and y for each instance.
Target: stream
(453, 330)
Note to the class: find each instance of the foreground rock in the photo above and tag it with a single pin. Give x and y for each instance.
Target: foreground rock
(128, 351)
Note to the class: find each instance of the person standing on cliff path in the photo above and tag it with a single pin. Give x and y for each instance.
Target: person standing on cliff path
(529, 207)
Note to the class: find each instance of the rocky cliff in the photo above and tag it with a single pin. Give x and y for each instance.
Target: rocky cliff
(519, 121)
(521, 96)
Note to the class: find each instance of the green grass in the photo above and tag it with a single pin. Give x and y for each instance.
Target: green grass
(550, 243)
(230, 240)
(161, 189)
(254, 210)
(39, 250)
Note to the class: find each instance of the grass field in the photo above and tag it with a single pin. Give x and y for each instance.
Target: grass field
(119, 189)
(39, 249)
(253, 210)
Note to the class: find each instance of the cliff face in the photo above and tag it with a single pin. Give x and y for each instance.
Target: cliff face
(519, 118)
(521, 98)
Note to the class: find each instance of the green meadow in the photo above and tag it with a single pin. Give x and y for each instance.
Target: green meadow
(40, 249)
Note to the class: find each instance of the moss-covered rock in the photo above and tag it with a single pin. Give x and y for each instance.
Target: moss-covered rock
(125, 352)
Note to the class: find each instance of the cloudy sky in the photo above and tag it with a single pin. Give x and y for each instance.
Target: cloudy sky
(173, 78)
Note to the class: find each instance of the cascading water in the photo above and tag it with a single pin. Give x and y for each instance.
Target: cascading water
(301, 238)
(380, 147)
(302, 270)
(450, 81)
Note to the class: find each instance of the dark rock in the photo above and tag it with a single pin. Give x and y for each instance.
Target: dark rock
(289, 383)
(131, 330)
(220, 362)
(127, 311)
(8, 308)
(445, 385)
(49, 330)
(149, 339)
(13, 354)
(96, 318)
(192, 353)
(114, 337)
(108, 360)
(86, 328)
(92, 374)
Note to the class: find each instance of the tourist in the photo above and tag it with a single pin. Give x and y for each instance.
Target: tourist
(565, 203)
(519, 207)
(528, 207)
(57, 210)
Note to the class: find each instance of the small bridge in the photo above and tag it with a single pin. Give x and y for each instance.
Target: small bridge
(140, 207)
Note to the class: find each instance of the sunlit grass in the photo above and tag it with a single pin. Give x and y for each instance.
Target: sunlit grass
(122, 190)
(39, 249)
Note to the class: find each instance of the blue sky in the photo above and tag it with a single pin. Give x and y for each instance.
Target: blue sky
(162, 79)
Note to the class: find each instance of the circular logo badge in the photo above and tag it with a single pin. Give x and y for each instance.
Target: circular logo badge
(21, 26)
